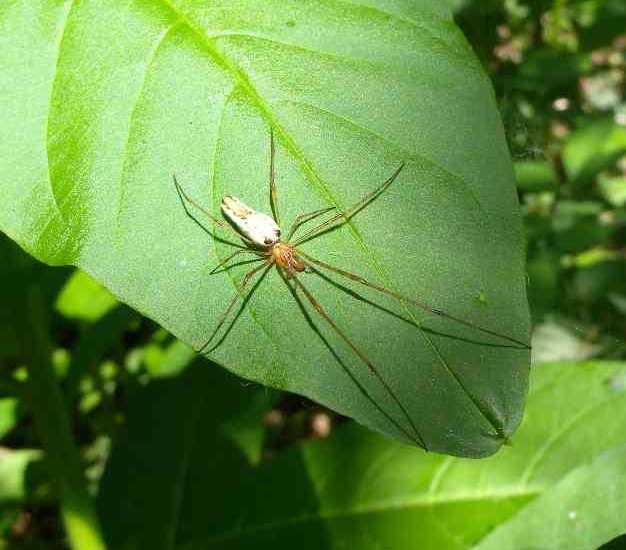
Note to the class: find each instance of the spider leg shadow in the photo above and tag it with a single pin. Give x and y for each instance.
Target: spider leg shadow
(343, 365)
(228, 267)
(370, 302)
(244, 302)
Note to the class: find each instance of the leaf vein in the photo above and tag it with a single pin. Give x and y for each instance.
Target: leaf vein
(358, 512)
(404, 152)
(292, 45)
(152, 53)
(59, 44)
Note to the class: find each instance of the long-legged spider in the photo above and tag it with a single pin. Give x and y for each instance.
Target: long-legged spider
(261, 235)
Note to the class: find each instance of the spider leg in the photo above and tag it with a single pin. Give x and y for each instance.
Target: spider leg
(273, 190)
(479, 406)
(231, 256)
(421, 305)
(184, 197)
(248, 277)
(304, 218)
(353, 377)
(318, 308)
(344, 216)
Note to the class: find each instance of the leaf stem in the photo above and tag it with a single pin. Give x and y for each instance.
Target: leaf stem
(53, 425)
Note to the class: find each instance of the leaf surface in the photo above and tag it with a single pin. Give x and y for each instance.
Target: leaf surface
(104, 100)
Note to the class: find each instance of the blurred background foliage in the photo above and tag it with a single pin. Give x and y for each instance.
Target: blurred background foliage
(558, 70)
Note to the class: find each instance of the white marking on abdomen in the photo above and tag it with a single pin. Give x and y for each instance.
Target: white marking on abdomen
(258, 227)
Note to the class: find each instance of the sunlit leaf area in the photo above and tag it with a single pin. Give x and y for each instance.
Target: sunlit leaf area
(430, 355)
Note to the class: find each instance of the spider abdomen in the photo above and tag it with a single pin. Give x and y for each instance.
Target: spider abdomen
(256, 226)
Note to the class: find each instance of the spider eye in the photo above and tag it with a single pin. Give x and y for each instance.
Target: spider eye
(267, 240)
(278, 232)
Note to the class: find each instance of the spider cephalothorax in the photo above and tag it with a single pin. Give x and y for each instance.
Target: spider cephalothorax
(285, 256)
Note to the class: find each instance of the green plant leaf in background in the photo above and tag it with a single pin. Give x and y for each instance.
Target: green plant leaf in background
(14, 483)
(8, 415)
(206, 422)
(102, 101)
(563, 475)
(593, 148)
(535, 176)
(84, 299)
(580, 512)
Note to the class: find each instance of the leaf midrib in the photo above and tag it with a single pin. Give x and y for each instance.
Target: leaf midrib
(55, 202)
(380, 507)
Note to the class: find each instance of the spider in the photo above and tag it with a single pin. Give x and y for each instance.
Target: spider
(262, 237)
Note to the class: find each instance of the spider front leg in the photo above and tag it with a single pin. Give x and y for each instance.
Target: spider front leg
(184, 199)
(273, 189)
(344, 216)
(305, 218)
(302, 218)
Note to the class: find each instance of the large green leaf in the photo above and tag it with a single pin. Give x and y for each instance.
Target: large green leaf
(563, 476)
(102, 101)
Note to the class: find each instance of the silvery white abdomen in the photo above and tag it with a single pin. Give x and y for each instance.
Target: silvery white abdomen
(258, 227)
